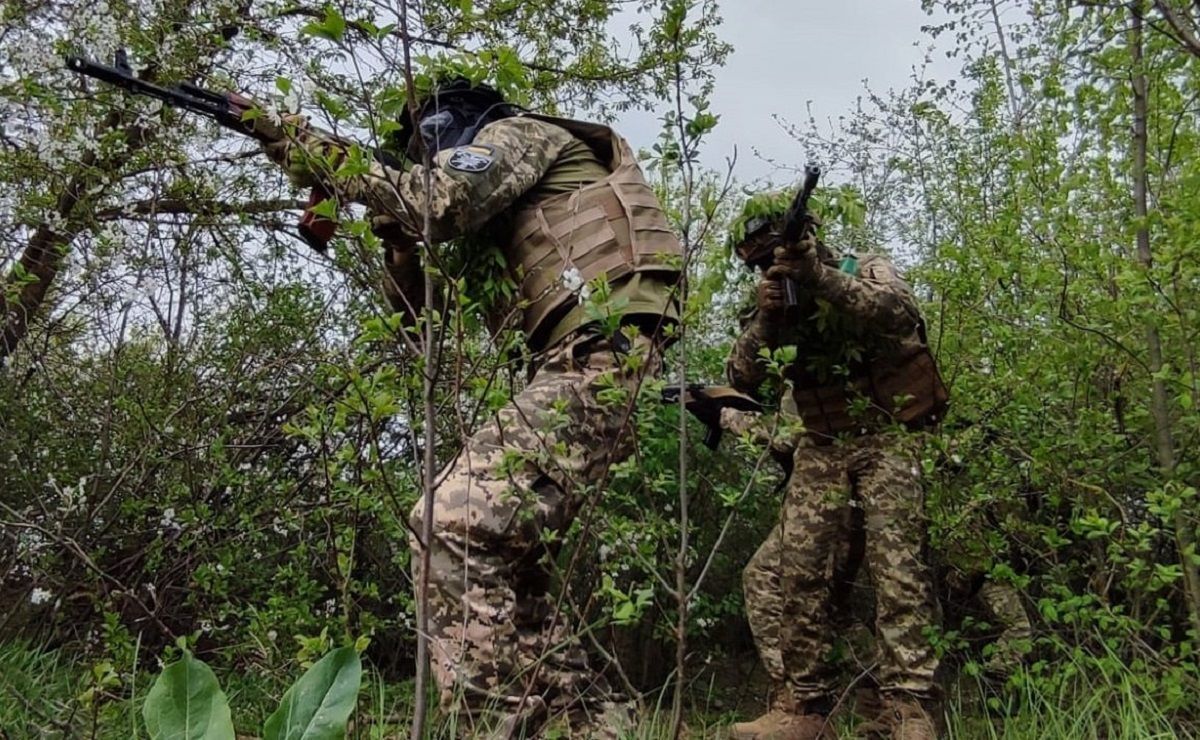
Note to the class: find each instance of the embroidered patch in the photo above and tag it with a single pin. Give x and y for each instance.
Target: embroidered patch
(471, 158)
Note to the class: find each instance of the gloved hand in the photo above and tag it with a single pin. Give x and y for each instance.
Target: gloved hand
(771, 302)
(709, 404)
(798, 261)
(301, 150)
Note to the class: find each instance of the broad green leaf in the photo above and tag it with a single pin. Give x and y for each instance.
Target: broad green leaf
(332, 27)
(186, 703)
(318, 706)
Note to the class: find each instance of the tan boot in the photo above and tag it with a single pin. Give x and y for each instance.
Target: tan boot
(779, 707)
(805, 727)
(773, 721)
(901, 717)
(785, 722)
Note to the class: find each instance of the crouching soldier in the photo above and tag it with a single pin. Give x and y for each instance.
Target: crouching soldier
(865, 385)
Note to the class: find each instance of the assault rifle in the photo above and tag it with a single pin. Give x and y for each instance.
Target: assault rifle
(705, 403)
(226, 108)
(760, 252)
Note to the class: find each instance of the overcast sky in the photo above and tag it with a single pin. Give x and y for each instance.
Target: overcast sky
(788, 54)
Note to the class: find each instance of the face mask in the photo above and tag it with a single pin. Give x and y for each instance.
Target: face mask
(441, 130)
(455, 125)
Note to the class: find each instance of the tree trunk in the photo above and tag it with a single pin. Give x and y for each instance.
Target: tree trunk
(1164, 442)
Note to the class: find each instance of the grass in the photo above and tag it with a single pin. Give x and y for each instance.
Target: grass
(1106, 701)
(45, 693)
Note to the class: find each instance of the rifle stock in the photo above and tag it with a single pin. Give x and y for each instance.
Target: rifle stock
(705, 403)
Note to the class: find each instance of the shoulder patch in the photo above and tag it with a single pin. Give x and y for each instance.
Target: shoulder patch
(471, 158)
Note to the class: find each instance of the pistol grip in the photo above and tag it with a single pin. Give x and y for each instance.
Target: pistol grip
(712, 437)
(790, 296)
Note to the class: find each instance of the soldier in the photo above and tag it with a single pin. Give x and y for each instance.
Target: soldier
(863, 383)
(566, 203)
(964, 588)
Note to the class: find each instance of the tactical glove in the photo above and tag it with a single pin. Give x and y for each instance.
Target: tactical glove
(771, 301)
(798, 261)
(302, 151)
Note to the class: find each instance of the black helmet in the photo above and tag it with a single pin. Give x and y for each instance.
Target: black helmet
(461, 108)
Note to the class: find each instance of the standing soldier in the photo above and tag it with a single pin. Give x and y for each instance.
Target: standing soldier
(566, 203)
(864, 383)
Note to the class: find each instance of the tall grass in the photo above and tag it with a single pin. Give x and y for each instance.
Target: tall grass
(43, 693)
(1106, 701)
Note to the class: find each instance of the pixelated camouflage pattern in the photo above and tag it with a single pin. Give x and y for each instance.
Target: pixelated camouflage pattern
(998, 603)
(532, 160)
(880, 304)
(522, 150)
(857, 337)
(500, 653)
(498, 647)
(1002, 604)
(787, 582)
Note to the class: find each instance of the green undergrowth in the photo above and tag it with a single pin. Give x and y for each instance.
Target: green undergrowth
(1105, 701)
(48, 693)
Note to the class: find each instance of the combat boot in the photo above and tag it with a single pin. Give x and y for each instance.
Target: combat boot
(788, 721)
(779, 707)
(900, 717)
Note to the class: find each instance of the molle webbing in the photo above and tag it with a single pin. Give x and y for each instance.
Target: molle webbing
(610, 227)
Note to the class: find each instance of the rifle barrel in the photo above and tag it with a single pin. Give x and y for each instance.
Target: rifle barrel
(797, 213)
(185, 95)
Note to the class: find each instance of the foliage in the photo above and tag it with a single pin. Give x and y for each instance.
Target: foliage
(186, 702)
(318, 706)
(211, 433)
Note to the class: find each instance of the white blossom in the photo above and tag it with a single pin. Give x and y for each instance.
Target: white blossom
(39, 596)
(167, 519)
(572, 280)
(291, 101)
(271, 111)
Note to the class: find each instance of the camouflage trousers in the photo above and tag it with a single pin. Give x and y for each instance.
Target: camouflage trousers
(502, 654)
(787, 582)
(1000, 605)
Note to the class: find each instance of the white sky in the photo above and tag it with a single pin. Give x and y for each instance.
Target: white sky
(788, 54)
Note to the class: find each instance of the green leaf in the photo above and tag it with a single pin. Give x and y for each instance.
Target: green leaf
(332, 27)
(327, 208)
(318, 706)
(186, 703)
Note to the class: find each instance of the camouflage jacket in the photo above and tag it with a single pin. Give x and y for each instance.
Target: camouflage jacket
(461, 197)
(510, 167)
(858, 337)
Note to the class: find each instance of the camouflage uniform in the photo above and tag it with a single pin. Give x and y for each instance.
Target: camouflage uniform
(855, 454)
(1000, 605)
(963, 588)
(502, 653)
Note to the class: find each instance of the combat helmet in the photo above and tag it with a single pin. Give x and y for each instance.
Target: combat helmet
(449, 115)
